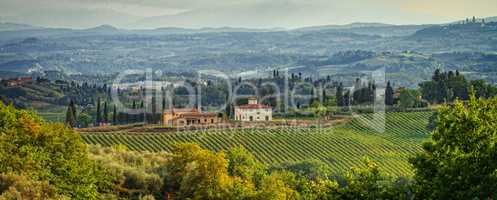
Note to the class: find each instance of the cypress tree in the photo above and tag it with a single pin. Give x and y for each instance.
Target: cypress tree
(228, 107)
(389, 95)
(154, 102)
(114, 115)
(163, 108)
(133, 115)
(339, 95)
(142, 115)
(109, 93)
(99, 116)
(346, 99)
(323, 97)
(372, 92)
(73, 107)
(106, 113)
(154, 108)
(71, 115)
(163, 103)
(436, 75)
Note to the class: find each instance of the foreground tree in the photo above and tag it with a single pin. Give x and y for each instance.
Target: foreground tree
(460, 161)
(243, 164)
(46, 152)
(310, 169)
(369, 183)
(196, 173)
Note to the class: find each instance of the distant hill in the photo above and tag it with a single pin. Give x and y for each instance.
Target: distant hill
(74, 17)
(458, 37)
(386, 30)
(21, 66)
(491, 19)
(107, 49)
(454, 30)
(404, 68)
(103, 28)
(345, 26)
(6, 26)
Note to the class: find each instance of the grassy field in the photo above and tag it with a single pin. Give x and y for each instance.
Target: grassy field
(341, 147)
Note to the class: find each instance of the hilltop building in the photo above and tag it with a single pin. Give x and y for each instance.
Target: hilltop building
(253, 111)
(18, 81)
(188, 117)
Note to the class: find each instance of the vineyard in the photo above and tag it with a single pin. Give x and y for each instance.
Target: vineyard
(341, 147)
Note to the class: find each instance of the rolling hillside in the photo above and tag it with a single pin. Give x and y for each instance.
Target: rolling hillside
(341, 147)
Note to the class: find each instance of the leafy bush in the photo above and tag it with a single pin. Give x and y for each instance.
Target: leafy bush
(134, 175)
(14, 186)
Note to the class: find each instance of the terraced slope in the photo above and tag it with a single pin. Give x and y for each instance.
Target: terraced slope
(341, 147)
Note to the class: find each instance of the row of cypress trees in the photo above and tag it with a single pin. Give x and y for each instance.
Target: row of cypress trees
(71, 114)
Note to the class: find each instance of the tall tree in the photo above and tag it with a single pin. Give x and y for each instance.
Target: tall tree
(163, 103)
(114, 115)
(389, 95)
(99, 116)
(143, 114)
(73, 107)
(346, 99)
(133, 114)
(71, 114)
(154, 109)
(106, 113)
(229, 107)
(339, 95)
(324, 94)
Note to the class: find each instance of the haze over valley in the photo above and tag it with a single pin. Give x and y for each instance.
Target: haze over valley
(402, 49)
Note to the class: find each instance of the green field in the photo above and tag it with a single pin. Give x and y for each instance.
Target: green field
(341, 147)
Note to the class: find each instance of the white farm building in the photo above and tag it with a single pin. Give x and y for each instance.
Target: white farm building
(253, 111)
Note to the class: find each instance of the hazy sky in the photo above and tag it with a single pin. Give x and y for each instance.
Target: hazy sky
(240, 13)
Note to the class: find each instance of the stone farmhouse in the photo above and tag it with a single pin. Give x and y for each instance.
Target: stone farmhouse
(181, 117)
(253, 111)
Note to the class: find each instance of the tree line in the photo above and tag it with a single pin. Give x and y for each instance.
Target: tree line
(444, 87)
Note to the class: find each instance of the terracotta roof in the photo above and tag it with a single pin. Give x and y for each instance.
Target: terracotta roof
(182, 110)
(198, 114)
(253, 106)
